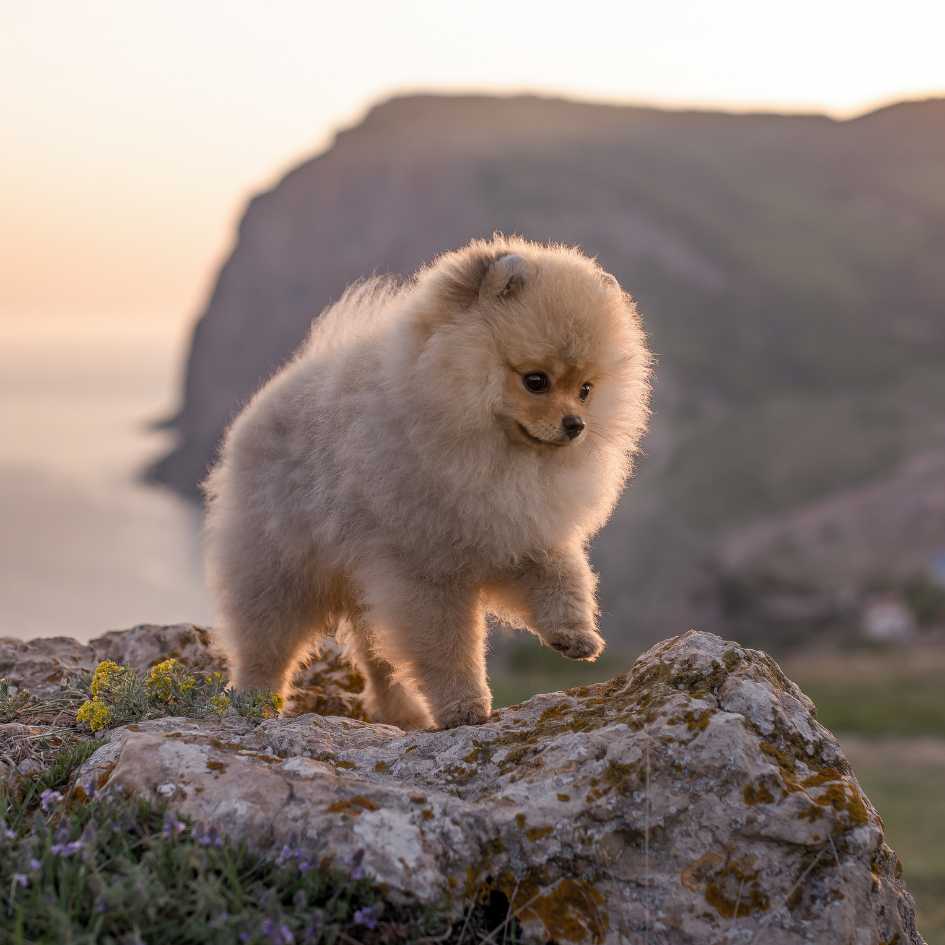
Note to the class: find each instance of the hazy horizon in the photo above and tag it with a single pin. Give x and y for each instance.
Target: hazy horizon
(134, 135)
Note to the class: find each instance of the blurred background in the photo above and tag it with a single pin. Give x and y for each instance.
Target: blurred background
(186, 185)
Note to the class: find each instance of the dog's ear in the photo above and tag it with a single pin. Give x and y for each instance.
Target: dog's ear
(505, 278)
(609, 280)
(482, 273)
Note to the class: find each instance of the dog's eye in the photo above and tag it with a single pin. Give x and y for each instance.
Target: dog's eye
(585, 391)
(537, 382)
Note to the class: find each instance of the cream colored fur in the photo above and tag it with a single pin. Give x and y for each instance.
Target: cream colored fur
(396, 480)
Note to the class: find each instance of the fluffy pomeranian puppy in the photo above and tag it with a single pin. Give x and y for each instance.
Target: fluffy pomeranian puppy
(438, 450)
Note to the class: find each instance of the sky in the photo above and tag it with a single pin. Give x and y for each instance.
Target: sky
(132, 133)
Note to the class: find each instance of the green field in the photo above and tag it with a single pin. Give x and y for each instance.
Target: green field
(888, 709)
(911, 800)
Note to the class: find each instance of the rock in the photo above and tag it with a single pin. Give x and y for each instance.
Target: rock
(44, 666)
(326, 683)
(29, 766)
(694, 799)
(147, 644)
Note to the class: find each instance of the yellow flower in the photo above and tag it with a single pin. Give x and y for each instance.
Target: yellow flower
(105, 672)
(162, 669)
(160, 680)
(94, 713)
(168, 682)
(272, 705)
(220, 703)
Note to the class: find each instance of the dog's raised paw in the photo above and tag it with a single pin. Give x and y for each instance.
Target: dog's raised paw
(577, 644)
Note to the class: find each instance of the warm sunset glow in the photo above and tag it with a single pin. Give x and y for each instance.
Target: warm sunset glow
(133, 131)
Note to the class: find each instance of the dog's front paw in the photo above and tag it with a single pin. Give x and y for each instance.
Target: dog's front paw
(464, 712)
(576, 643)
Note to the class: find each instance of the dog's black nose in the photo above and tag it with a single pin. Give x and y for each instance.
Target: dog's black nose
(572, 426)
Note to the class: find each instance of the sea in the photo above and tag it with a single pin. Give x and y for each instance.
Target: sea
(85, 545)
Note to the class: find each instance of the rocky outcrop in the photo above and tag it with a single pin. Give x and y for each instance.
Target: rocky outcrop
(54, 671)
(326, 683)
(694, 799)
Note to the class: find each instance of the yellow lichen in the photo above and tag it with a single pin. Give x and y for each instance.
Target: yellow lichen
(697, 721)
(845, 798)
(554, 712)
(757, 794)
(354, 806)
(822, 777)
(729, 884)
(569, 911)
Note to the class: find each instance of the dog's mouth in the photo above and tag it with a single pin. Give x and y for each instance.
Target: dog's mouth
(538, 440)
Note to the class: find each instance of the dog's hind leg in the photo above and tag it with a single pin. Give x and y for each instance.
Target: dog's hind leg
(269, 619)
(385, 697)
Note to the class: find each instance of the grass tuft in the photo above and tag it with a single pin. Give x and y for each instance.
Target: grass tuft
(119, 695)
(114, 871)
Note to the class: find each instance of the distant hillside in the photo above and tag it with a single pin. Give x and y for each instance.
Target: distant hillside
(791, 275)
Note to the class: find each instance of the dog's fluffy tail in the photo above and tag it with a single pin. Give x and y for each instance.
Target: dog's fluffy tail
(361, 307)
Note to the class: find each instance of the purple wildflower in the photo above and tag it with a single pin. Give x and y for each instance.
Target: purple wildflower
(34, 864)
(21, 880)
(279, 933)
(285, 854)
(366, 917)
(285, 935)
(5, 831)
(289, 853)
(49, 798)
(206, 838)
(66, 849)
(172, 826)
(312, 932)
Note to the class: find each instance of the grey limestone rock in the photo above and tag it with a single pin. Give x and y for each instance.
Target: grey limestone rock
(694, 799)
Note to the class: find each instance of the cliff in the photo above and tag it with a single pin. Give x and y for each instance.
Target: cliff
(789, 271)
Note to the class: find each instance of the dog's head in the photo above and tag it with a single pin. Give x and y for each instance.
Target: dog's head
(537, 340)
